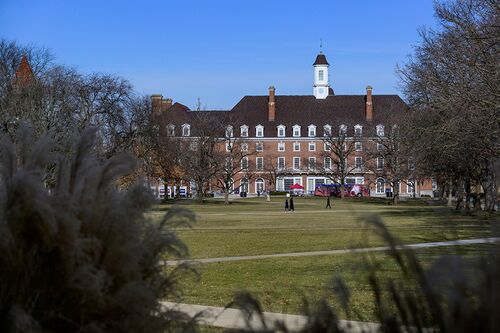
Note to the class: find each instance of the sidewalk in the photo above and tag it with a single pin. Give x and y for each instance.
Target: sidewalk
(234, 318)
(340, 251)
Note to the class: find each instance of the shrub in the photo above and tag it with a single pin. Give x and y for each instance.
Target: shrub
(80, 256)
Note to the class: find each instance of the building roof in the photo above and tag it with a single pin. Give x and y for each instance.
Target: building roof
(303, 110)
(24, 73)
(320, 60)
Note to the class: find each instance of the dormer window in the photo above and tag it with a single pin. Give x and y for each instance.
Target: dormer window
(229, 131)
(342, 130)
(380, 130)
(186, 130)
(296, 131)
(244, 131)
(358, 130)
(259, 131)
(281, 131)
(171, 130)
(311, 130)
(327, 130)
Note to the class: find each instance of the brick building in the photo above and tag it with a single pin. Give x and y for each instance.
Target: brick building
(289, 132)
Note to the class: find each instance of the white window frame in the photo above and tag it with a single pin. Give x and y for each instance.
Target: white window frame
(321, 75)
(358, 130)
(170, 130)
(342, 129)
(228, 145)
(358, 146)
(311, 131)
(327, 130)
(380, 130)
(296, 165)
(244, 147)
(281, 167)
(380, 163)
(244, 163)
(281, 146)
(229, 131)
(312, 145)
(259, 131)
(296, 131)
(359, 165)
(261, 159)
(295, 145)
(186, 127)
(281, 131)
(382, 188)
(244, 131)
(311, 166)
(327, 146)
(327, 166)
(259, 146)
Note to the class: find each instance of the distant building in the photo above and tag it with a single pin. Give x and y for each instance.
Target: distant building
(289, 129)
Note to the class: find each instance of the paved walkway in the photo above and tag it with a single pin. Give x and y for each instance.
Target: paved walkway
(340, 251)
(235, 319)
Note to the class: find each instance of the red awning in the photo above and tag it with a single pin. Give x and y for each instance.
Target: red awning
(296, 187)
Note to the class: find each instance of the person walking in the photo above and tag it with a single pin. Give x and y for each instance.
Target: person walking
(286, 205)
(328, 203)
(292, 206)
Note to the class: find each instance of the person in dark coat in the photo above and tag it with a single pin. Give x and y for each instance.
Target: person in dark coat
(328, 202)
(286, 205)
(292, 206)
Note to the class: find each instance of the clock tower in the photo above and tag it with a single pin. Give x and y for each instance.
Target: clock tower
(321, 86)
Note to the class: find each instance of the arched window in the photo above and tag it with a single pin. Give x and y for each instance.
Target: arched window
(342, 130)
(380, 188)
(259, 185)
(259, 131)
(380, 130)
(244, 131)
(229, 131)
(296, 131)
(358, 130)
(186, 130)
(171, 130)
(281, 131)
(244, 185)
(311, 131)
(327, 130)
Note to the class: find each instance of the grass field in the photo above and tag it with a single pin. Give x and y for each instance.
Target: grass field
(254, 226)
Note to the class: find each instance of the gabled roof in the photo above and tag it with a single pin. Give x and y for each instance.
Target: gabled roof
(320, 60)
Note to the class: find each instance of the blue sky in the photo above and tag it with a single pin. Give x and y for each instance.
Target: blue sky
(220, 51)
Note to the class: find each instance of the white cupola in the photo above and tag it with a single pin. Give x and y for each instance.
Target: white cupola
(321, 86)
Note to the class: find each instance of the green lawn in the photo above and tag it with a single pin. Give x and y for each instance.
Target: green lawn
(254, 226)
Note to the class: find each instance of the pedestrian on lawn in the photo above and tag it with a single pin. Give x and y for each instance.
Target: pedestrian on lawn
(287, 208)
(292, 206)
(328, 203)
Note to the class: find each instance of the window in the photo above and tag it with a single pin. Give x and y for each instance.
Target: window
(193, 145)
(327, 130)
(244, 147)
(244, 131)
(380, 163)
(312, 146)
(170, 130)
(259, 163)
(311, 130)
(328, 163)
(312, 163)
(342, 130)
(380, 186)
(358, 162)
(281, 146)
(229, 164)
(229, 146)
(281, 131)
(296, 146)
(380, 130)
(296, 163)
(229, 131)
(259, 131)
(259, 185)
(358, 146)
(296, 131)
(358, 130)
(259, 146)
(281, 163)
(186, 130)
(327, 146)
(244, 163)
(320, 75)
(380, 147)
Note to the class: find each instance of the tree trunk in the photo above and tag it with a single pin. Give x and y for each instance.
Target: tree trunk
(226, 197)
(467, 193)
(395, 194)
(477, 198)
(450, 193)
(489, 187)
(460, 194)
(199, 191)
(342, 189)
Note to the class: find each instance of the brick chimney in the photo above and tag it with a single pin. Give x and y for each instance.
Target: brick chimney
(369, 104)
(166, 104)
(156, 102)
(272, 104)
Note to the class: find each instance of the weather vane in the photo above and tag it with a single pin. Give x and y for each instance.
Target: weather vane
(320, 45)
